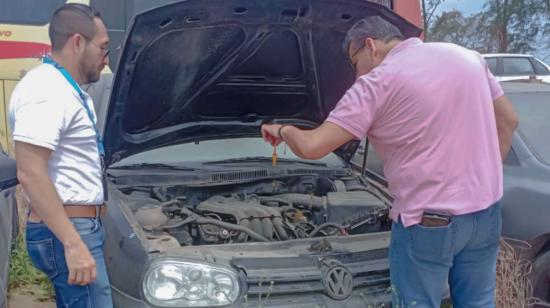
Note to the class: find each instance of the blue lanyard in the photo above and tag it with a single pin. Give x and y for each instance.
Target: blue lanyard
(75, 85)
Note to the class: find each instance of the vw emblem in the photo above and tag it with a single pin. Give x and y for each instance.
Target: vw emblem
(338, 283)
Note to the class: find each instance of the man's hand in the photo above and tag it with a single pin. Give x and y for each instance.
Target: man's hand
(270, 133)
(308, 144)
(81, 264)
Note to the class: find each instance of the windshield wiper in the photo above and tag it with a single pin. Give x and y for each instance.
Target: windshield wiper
(153, 166)
(257, 159)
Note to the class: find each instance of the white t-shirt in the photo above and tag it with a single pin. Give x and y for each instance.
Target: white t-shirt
(45, 110)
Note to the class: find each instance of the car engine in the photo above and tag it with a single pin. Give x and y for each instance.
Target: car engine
(262, 211)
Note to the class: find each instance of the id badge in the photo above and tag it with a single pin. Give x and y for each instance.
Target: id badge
(104, 179)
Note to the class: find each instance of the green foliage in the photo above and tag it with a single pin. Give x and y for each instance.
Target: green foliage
(502, 26)
(23, 275)
(517, 23)
(429, 8)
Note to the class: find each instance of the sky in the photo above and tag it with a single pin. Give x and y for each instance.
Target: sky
(468, 7)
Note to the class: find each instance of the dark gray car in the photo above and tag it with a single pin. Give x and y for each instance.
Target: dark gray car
(8, 220)
(526, 201)
(198, 215)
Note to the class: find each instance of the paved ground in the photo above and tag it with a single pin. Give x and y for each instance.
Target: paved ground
(25, 299)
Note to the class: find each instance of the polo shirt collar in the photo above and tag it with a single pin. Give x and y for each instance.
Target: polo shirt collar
(406, 44)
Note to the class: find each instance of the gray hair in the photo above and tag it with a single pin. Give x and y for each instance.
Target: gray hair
(70, 19)
(374, 27)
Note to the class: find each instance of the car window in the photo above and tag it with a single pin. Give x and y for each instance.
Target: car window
(517, 66)
(534, 112)
(28, 12)
(492, 63)
(540, 68)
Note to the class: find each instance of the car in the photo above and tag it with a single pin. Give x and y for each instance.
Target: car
(198, 213)
(526, 200)
(506, 67)
(8, 220)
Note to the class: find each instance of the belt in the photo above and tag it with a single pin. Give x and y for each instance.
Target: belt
(76, 211)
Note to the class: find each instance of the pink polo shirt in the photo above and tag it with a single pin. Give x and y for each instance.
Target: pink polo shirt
(428, 112)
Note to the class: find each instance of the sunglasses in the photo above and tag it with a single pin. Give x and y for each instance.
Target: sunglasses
(105, 50)
(350, 58)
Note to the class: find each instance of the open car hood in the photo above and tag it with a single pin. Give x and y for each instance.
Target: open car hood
(208, 69)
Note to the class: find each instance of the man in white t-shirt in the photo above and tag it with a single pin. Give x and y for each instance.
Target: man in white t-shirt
(58, 152)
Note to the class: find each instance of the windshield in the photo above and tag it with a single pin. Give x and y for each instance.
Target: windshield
(219, 150)
(28, 12)
(534, 120)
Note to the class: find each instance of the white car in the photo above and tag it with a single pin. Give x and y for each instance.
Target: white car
(506, 66)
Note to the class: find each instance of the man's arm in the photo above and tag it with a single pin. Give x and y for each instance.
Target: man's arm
(32, 173)
(507, 122)
(308, 144)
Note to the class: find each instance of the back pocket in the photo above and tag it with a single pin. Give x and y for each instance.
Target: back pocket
(432, 244)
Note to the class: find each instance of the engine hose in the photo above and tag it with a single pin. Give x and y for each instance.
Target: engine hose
(210, 221)
(192, 217)
(176, 225)
(278, 224)
(276, 221)
(309, 201)
(326, 224)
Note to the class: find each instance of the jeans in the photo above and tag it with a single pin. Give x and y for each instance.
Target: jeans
(463, 253)
(48, 255)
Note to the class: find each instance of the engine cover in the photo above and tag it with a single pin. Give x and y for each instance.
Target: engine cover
(264, 220)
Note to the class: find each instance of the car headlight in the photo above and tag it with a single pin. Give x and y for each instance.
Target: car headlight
(174, 283)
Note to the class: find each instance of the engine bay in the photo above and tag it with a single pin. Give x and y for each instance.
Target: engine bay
(281, 209)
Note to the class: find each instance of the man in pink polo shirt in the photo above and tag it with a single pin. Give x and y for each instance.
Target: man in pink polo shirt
(441, 124)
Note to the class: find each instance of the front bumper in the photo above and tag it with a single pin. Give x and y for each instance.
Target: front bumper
(358, 299)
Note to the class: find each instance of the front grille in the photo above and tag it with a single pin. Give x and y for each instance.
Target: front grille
(299, 275)
(371, 283)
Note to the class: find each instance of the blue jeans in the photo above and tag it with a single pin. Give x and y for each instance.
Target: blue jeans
(463, 253)
(48, 255)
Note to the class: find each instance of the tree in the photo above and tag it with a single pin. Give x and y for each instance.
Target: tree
(428, 9)
(502, 26)
(447, 28)
(465, 31)
(517, 23)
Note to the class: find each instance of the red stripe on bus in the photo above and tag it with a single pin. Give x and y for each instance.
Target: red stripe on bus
(21, 50)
